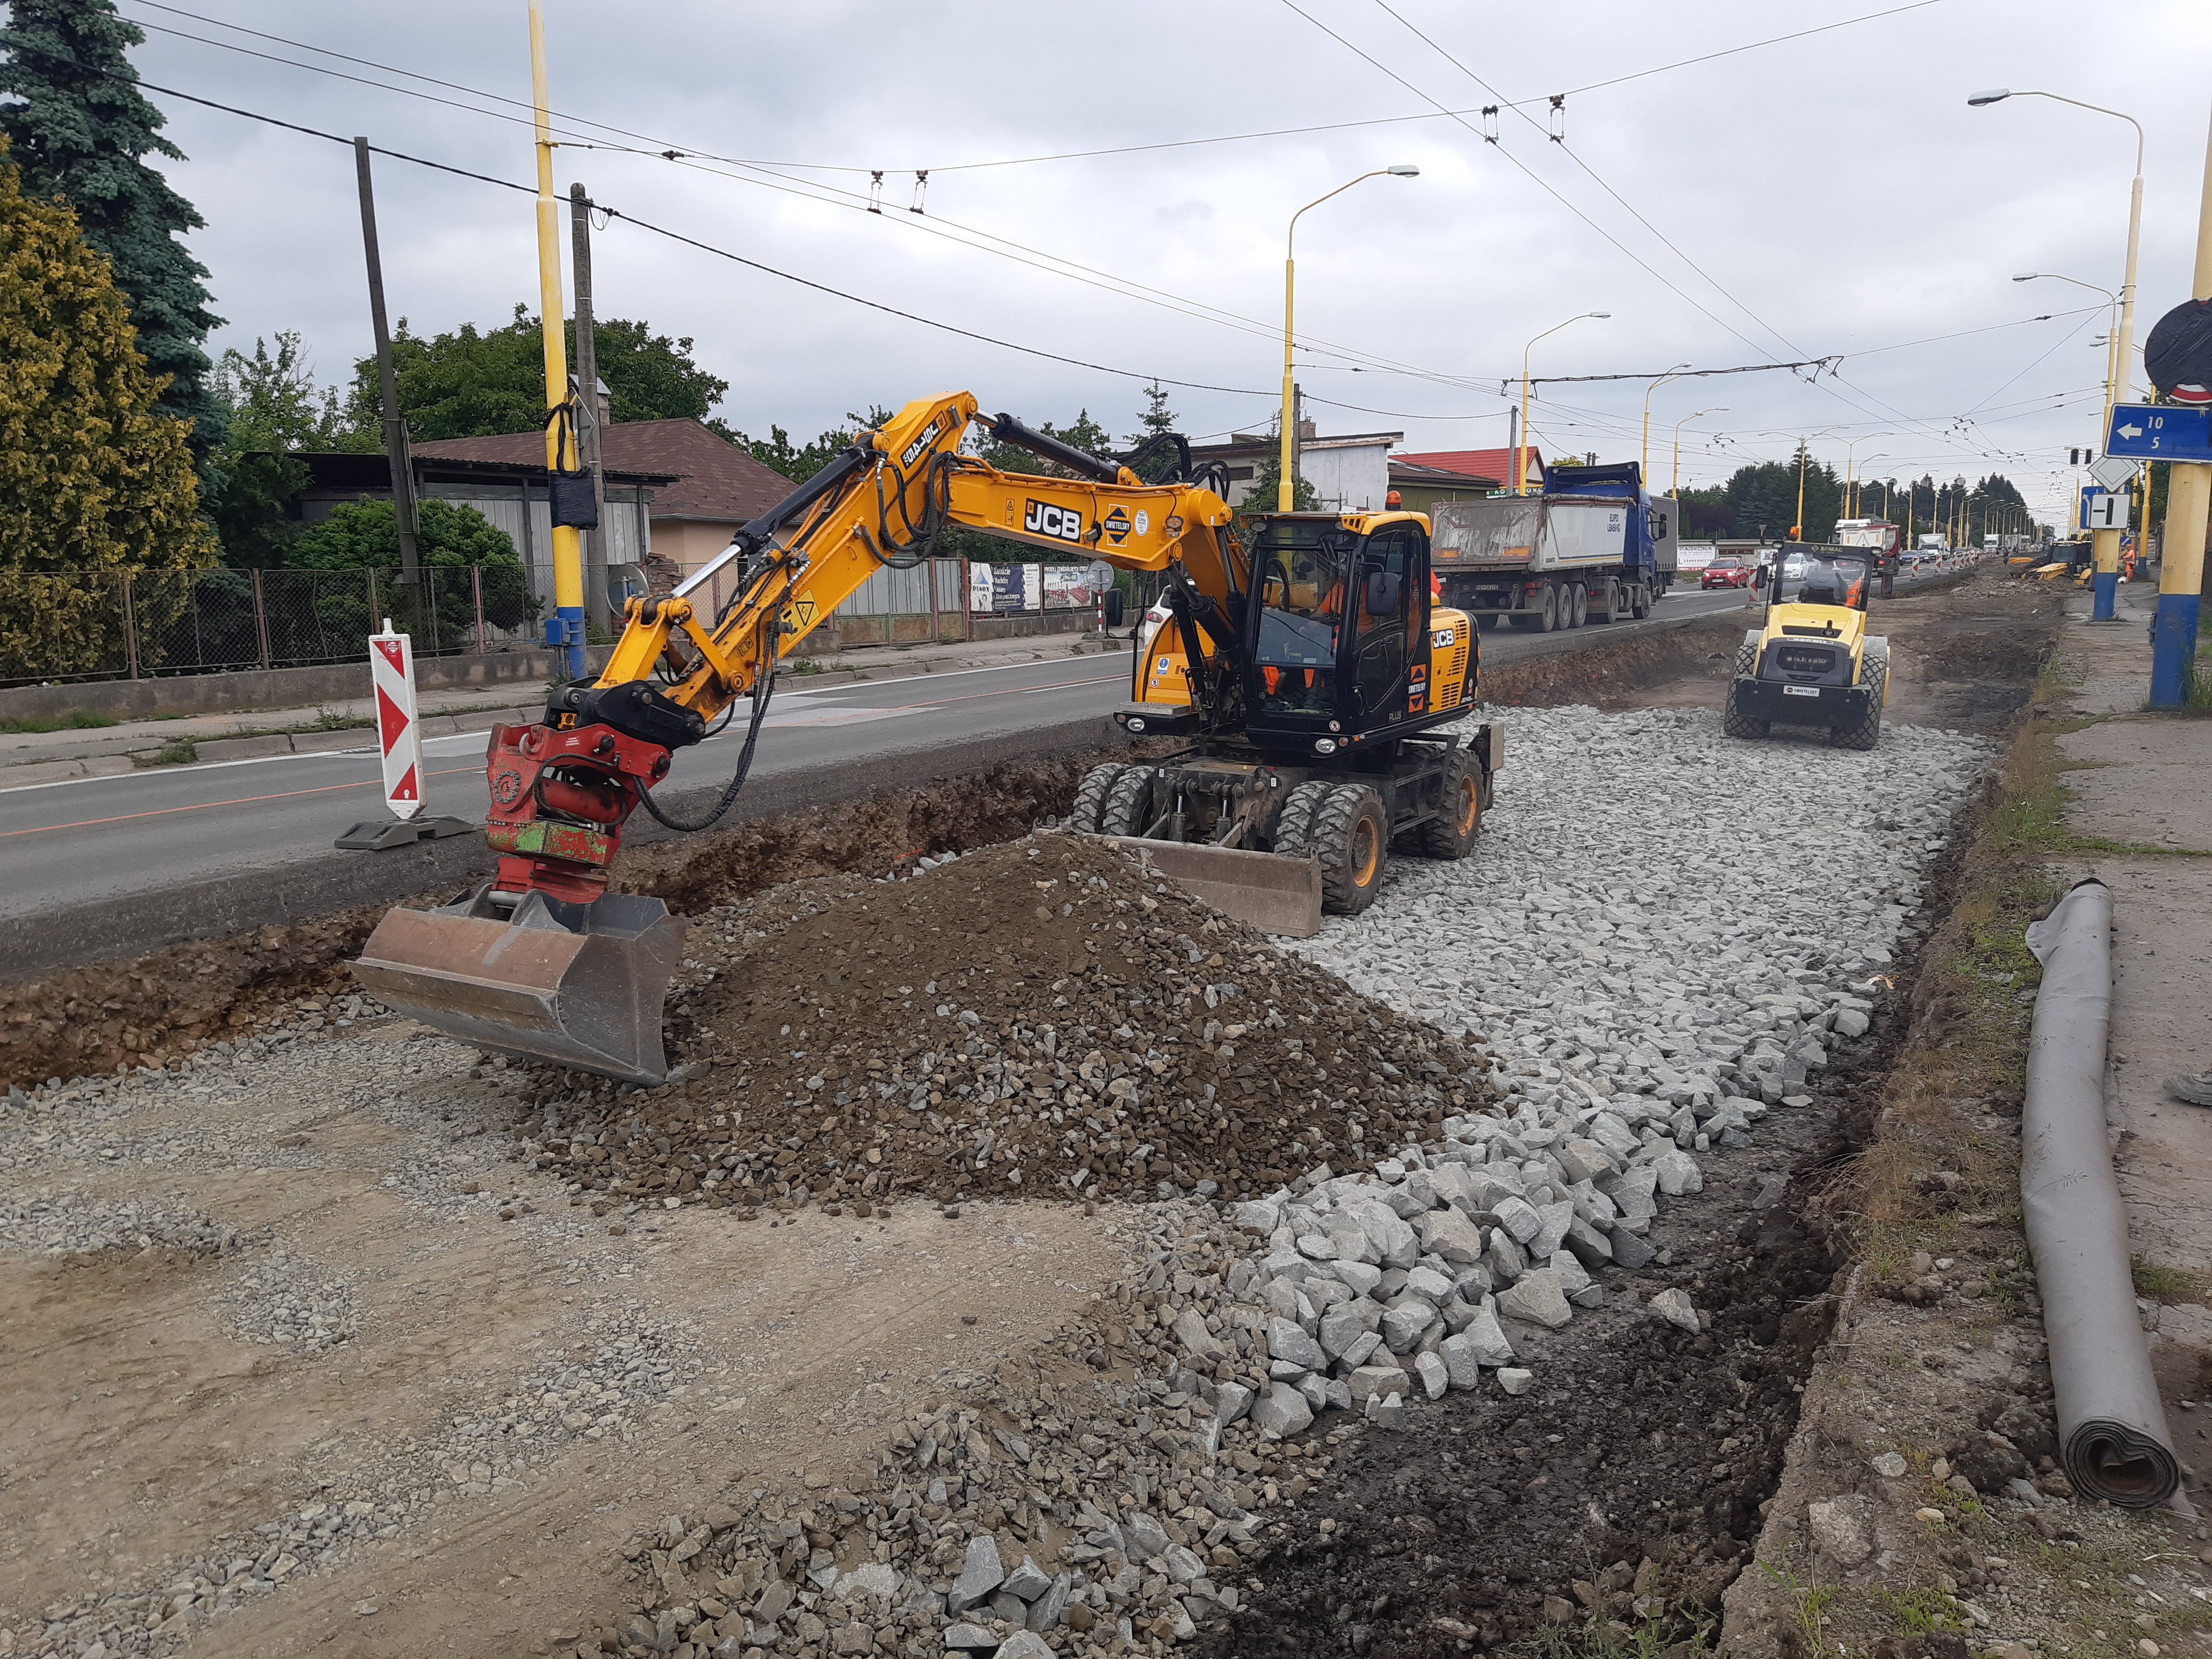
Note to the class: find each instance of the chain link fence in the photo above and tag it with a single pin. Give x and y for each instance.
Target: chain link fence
(113, 625)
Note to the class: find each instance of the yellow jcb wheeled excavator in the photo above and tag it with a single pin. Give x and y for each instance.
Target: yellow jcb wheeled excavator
(1308, 670)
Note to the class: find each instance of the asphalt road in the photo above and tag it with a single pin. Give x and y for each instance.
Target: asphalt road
(92, 841)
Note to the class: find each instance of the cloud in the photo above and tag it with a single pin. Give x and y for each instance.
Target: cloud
(1832, 195)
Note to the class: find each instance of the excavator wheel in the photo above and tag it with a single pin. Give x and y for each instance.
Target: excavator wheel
(1451, 835)
(1351, 835)
(1129, 809)
(1091, 797)
(1294, 825)
(1735, 723)
(1866, 731)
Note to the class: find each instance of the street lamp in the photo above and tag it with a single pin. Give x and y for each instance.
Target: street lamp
(2113, 302)
(1283, 489)
(2107, 581)
(1851, 469)
(1675, 488)
(1672, 374)
(1520, 448)
(1853, 484)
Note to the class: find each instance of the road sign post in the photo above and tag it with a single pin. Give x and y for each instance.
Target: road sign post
(2160, 432)
(399, 743)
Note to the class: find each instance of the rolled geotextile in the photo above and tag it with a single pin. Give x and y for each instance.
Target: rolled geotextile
(2111, 1429)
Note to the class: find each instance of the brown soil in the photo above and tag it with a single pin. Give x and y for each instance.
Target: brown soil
(999, 1024)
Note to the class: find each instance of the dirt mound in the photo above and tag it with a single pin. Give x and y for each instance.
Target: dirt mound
(1036, 1019)
(152, 1009)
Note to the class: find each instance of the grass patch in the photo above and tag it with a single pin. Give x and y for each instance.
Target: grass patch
(2162, 1284)
(76, 719)
(177, 751)
(1920, 1612)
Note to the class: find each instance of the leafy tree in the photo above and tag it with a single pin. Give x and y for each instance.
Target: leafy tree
(364, 535)
(271, 407)
(81, 130)
(92, 475)
(799, 462)
(473, 385)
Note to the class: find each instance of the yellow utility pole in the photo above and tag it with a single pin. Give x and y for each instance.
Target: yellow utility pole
(2188, 504)
(1286, 484)
(566, 628)
(1675, 488)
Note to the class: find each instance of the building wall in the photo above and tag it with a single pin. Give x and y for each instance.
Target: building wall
(1352, 479)
(691, 542)
(1420, 498)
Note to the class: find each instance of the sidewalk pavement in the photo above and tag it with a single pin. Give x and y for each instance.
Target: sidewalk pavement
(30, 758)
(2144, 782)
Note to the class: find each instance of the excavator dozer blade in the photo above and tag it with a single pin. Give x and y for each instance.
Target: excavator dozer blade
(1272, 891)
(573, 985)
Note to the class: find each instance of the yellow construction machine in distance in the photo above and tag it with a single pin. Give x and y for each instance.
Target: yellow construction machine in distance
(1812, 661)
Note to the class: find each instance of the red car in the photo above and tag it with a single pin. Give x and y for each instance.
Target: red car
(1725, 573)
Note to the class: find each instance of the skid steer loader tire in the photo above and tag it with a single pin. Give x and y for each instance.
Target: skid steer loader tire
(1735, 724)
(1294, 825)
(1091, 797)
(1129, 809)
(1866, 731)
(1451, 834)
(1351, 835)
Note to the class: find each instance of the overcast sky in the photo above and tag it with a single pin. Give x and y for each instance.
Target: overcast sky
(1832, 194)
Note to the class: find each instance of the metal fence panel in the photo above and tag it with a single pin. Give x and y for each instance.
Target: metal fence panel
(137, 624)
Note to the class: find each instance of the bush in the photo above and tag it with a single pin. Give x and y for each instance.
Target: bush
(364, 535)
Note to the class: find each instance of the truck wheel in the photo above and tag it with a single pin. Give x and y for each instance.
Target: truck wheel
(1735, 723)
(1352, 837)
(1091, 797)
(1866, 731)
(1451, 834)
(1294, 825)
(1547, 609)
(1578, 596)
(1129, 809)
(1641, 604)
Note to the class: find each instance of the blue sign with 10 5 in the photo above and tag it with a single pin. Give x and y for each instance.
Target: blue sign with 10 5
(2148, 432)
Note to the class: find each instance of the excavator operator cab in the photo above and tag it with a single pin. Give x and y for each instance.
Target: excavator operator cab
(1342, 642)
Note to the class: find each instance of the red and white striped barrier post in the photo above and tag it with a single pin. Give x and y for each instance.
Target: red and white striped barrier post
(399, 734)
(399, 741)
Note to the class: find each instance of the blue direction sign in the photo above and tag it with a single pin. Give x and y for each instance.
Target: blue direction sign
(2147, 432)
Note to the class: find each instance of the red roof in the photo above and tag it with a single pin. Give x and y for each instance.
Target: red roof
(1472, 463)
(715, 480)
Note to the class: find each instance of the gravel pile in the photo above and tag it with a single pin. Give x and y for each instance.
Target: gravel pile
(1034, 1020)
(276, 1301)
(51, 1222)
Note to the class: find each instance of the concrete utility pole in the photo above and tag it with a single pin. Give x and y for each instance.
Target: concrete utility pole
(598, 610)
(395, 430)
(2188, 503)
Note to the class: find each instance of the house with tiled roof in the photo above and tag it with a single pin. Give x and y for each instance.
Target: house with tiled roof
(716, 486)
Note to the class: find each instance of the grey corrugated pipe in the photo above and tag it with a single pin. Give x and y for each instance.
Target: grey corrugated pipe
(2111, 1429)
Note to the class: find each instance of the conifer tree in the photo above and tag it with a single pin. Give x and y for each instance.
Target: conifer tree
(80, 130)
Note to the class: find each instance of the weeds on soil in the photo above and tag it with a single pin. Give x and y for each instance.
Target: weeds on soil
(76, 719)
(2163, 1283)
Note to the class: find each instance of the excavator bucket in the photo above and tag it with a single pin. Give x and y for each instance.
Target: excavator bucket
(1274, 892)
(573, 985)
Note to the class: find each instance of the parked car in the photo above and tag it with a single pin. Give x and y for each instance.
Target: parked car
(1725, 573)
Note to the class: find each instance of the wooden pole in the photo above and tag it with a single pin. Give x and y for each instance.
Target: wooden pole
(598, 610)
(395, 430)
